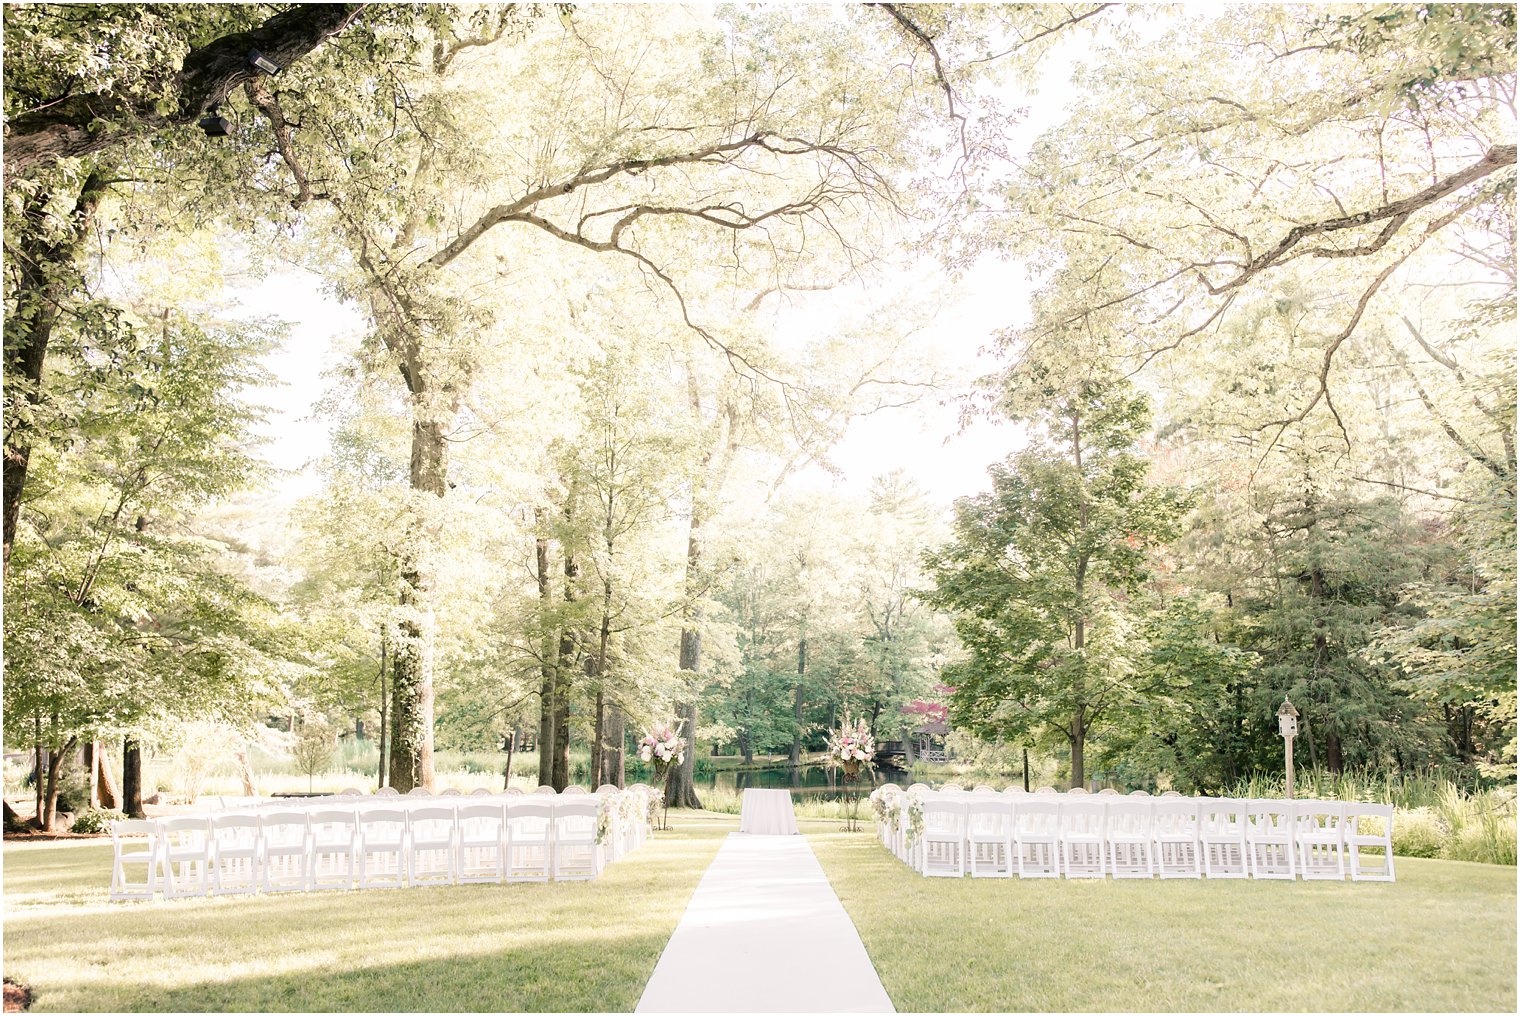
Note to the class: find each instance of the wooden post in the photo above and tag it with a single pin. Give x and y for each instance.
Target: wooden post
(1288, 744)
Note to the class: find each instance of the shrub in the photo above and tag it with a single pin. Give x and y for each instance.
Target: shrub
(1418, 833)
(96, 820)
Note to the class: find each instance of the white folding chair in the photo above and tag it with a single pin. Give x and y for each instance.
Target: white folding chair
(1046, 790)
(1127, 839)
(982, 788)
(381, 848)
(418, 792)
(545, 789)
(576, 788)
(1139, 793)
(575, 849)
(1222, 834)
(235, 852)
(186, 855)
(989, 838)
(1036, 837)
(1174, 838)
(952, 788)
(1379, 837)
(1319, 836)
(1269, 839)
(481, 843)
(530, 839)
(451, 792)
(482, 792)
(1082, 838)
(286, 864)
(333, 845)
(430, 845)
(350, 792)
(387, 792)
(514, 791)
(607, 788)
(134, 851)
(944, 839)
(1108, 792)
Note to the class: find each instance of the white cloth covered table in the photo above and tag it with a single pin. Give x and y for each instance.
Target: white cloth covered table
(767, 813)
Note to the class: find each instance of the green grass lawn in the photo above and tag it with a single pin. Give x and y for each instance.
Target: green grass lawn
(574, 946)
(1441, 938)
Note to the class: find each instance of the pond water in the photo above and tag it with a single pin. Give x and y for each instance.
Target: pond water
(807, 779)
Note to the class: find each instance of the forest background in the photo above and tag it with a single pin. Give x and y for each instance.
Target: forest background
(645, 327)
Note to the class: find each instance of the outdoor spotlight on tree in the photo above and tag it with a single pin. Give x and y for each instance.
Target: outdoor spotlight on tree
(262, 62)
(1287, 726)
(215, 125)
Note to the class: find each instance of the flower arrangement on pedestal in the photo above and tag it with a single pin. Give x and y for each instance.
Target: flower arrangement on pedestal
(851, 749)
(663, 748)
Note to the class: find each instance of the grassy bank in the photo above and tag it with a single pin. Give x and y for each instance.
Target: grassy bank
(576, 946)
(1442, 938)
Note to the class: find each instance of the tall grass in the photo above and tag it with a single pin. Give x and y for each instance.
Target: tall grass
(1433, 816)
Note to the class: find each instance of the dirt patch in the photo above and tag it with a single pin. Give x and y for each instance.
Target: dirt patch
(18, 997)
(36, 837)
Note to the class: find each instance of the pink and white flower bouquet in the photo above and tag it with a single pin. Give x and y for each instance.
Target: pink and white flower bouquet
(663, 747)
(851, 746)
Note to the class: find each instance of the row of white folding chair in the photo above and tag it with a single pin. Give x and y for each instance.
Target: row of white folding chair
(1170, 837)
(337, 848)
(338, 824)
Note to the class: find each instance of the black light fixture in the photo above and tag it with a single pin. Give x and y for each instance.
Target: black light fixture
(215, 125)
(262, 62)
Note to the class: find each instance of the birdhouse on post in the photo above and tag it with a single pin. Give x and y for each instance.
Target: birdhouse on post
(1287, 726)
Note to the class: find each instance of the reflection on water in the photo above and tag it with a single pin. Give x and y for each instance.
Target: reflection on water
(801, 780)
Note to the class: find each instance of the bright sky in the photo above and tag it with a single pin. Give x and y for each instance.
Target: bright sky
(924, 440)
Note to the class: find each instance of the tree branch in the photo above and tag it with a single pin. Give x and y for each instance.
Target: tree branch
(80, 125)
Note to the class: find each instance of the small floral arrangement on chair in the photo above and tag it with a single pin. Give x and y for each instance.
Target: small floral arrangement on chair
(915, 818)
(663, 747)
(606, 815)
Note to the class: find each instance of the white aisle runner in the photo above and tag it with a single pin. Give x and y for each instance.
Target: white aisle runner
(764, 932)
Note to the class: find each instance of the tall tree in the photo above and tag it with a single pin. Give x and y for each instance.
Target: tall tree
(1038, 572)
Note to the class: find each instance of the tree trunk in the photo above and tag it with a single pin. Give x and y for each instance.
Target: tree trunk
(910, 757)
(412, 668)
(546, 665)
(383, 774)
(1079, 723)
(56, 766)
(1333, 759)
(559, 776)
(91, 773)
(598, 731)
(506, 773)
(795, 757)
(1026, 770)
(617, 735)
(105, 781)
(680, 784)
(38, 765)
(45, 275)
(131, 778)
(245, 771)
(1078, 746)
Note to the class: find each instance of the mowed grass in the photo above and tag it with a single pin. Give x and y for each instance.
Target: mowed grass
(1441, 938)
(572, 946)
